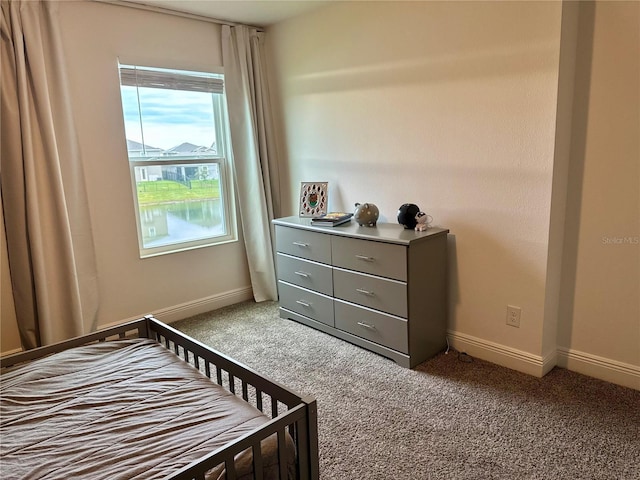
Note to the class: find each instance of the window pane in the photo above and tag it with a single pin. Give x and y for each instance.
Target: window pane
(169, 122)
(132, 125)
(179, 203)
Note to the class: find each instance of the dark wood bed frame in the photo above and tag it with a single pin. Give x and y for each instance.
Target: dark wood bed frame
(289, 412)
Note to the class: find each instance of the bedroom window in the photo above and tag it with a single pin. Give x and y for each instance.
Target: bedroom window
(176, 131)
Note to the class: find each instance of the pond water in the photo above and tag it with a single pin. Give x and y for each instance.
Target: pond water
(169, 223)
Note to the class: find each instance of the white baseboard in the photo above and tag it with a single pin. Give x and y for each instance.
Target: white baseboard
(606, 369)
(195, 307)
(500, 354)
(594, 366)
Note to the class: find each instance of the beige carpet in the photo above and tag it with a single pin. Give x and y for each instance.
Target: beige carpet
(453, 417)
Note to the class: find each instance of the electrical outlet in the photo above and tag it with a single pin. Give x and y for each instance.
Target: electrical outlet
(513, 316)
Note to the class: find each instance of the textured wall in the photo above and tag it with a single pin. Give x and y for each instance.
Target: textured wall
(601, 282)
(449, 105)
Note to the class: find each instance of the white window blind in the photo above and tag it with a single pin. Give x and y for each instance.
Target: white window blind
(174, 80)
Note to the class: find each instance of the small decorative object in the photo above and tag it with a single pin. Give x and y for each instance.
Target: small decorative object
(313, 198)
(423, 222)
(407, 215)
(366, 214)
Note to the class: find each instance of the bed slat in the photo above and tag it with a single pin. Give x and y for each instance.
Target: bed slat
(257, 461)
(259, 400)
(245, 391)
(232, 383)
(282, 454)
(303, 447)
(230, 469)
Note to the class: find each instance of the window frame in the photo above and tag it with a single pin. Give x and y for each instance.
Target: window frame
(221, 158)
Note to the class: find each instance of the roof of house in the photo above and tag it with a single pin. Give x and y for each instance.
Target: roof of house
(133, 145)
(187, 147)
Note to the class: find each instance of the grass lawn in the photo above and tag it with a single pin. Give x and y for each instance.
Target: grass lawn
(164, 191)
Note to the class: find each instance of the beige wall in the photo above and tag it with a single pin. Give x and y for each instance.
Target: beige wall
(94, 36)
(454, 106)
(444, 104)
(601, 276)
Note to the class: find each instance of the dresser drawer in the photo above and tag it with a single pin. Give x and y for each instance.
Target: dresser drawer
(305, 273)
(303, 243)
(371, 325)
(377, 258)
(305, 302)
(384, 294)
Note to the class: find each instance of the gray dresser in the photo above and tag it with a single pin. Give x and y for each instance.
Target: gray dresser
(383, 288)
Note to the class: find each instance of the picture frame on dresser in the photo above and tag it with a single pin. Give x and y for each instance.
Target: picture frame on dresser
(383, 289)
(314, 197)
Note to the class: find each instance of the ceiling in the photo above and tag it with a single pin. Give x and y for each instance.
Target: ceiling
(260, 13)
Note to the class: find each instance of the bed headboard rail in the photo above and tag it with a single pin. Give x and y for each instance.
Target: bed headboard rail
(136, 328)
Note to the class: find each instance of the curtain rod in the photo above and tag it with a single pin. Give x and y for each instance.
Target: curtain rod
(175, 13)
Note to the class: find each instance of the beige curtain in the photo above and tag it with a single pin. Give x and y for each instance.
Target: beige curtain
(254, 154)
(49, 239)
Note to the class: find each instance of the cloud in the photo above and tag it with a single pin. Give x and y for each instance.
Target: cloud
(169, 117)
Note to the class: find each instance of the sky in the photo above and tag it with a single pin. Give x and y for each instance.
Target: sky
(169, 117)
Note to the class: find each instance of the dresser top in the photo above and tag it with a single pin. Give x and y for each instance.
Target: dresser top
(382, 232)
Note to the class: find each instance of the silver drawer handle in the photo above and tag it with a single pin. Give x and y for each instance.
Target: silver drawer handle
(301, 244)
(302, 274)
(365, 292)
(304, 304)
(365, 258)
(366, 325)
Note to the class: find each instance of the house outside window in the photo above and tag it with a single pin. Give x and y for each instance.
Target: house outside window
(176, 129)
